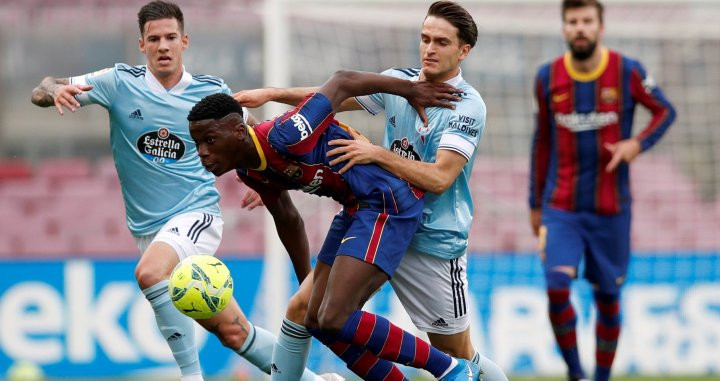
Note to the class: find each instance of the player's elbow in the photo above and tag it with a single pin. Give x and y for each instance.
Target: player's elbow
(671, 113)
(440, 185)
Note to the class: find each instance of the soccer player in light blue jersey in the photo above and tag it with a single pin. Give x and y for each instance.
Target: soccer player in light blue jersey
(170, 199)
(436, 157)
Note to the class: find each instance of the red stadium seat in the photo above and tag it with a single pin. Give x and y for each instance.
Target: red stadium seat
(15, 170)
(62, 169)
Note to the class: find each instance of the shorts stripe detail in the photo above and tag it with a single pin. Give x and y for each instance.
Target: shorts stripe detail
(375, 238)
(458, 288)
(198, 227)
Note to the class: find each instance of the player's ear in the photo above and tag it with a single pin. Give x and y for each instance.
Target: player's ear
(141, 44)
(464, 51)
(185, 39)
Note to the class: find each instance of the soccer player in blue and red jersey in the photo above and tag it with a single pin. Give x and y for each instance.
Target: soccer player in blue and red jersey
(579, 176)
(367, 239)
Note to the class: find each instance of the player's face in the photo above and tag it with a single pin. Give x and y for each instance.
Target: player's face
(441, 51)
(163, 43)
(582, 30)
(217, 145)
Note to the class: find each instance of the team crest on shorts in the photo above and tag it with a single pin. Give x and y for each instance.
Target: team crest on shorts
(161, 146)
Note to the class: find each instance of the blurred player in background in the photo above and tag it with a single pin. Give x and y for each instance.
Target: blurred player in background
(579, 177)
(437, 158)
(170, 200)
(367, 239)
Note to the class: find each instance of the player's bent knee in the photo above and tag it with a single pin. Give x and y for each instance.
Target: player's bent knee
(148, 276)
(297, 308)
(332, 320)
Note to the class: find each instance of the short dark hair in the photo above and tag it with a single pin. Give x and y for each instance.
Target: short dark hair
(456, 15)
(158, 10)
(215, 106)
(571, 4)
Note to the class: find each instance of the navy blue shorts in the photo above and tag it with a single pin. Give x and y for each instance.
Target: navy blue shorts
(602, 241)
(373, 235)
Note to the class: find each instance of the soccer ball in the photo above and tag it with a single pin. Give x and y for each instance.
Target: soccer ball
(200, 286)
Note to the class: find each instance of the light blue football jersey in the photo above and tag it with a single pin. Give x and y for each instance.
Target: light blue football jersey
(155, 157)
(447, 217)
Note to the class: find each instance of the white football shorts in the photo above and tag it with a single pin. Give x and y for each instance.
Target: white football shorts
(189, 234)
(433, 292)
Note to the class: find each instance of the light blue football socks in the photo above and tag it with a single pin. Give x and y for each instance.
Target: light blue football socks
(291, 352)
(177, 329)
(258, 350)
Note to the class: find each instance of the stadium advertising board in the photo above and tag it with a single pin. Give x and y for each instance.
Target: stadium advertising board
(84, 318)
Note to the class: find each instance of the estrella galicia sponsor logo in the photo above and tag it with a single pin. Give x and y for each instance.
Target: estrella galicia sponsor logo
(578, 122)
(463, 124)
(161, 146)
(403, 148)
(302, 125)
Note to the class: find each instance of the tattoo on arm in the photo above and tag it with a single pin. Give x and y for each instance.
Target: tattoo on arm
(237, 321)
(215, 329)
(42, 95)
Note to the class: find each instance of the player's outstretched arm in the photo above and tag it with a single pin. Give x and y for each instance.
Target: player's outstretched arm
(291, 230)
(345, 84)
(290, 96)
(58, 92)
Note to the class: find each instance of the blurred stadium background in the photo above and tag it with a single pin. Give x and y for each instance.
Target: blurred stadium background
(68, 302)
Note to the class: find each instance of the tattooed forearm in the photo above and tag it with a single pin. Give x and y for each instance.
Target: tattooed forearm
(42, 95)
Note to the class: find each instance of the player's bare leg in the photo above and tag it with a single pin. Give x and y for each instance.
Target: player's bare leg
(152, 273)
(457, 345)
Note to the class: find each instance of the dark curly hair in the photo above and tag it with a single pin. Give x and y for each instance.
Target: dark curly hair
(216, 106)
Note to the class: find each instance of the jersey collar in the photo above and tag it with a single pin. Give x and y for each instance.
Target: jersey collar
(263, 161)
(587, 77)
(454, 81)
(179, 87)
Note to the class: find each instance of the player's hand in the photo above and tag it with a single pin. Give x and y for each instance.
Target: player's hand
(356, 151)
(250, 199)
(535, 220)
(64, 96)
(432, 94)
(624, 150)
(253, 98)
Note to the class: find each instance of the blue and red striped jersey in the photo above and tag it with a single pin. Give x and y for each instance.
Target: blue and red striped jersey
(578, 113)
(293, 151)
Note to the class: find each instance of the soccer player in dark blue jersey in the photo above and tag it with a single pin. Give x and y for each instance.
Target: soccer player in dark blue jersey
(367, 239)
(579, 177)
